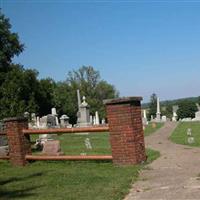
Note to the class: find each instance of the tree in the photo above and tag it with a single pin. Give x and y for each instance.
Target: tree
(89, 82)
(152, 105)
(186, 109)
(45, 96)
(10, 45)
(65, 100)
(168, 109)
(18, 92)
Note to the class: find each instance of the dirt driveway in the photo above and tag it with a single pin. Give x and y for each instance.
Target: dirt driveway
(175, 175)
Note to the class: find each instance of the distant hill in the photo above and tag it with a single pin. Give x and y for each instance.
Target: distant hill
(172, 102)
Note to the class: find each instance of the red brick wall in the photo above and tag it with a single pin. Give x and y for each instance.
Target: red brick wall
(126, 132)
(19, 144)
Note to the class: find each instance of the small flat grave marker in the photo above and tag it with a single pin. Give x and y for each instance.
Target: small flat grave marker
(190, 140)
(189, 132)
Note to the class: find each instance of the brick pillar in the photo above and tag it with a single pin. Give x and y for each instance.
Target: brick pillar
(19, 144)
(126, 130)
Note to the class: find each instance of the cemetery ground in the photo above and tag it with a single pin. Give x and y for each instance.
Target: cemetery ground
(72, 179)
(180, 136)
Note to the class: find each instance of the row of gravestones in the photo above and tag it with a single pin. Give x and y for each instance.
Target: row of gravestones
(174, 117)
(84, 118)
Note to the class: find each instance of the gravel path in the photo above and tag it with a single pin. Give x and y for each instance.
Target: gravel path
(175, 175)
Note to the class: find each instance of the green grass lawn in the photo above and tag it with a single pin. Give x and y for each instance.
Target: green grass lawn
(72, 144)
(179, 135)
(68, 180)
(149, 129)
(82, 180)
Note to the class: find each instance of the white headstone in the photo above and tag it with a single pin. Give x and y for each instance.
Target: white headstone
(94, 120)
(158, 110)
(83, 114)
(88, 143)
(97, 117)
(190, 140)
(189, 132)
(53, 111)
(164, 118)
(197, 116)
(103, 121)
(144, 114)
(38, 122)
(91, 119)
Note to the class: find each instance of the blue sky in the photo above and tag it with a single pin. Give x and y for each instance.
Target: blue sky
(140, 48)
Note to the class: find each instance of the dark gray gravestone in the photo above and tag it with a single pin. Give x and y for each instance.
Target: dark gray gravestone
(51, 121)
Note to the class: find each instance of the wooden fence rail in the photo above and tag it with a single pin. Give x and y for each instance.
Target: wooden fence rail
(66, 130)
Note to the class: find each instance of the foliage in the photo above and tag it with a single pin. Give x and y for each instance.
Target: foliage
(45, 96)
(10, 46)
(65, 100)
(179, 135)
(18, 91)
(89, 82)
(168, 110)
(152, 105)
(186, 109)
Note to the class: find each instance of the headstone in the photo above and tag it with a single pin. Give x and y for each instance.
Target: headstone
(51, 121)
(38, 122)
(88, 143)
(57, 122)
(189, 132)
(191, 140)
(144, 119)
(33, 119)
(64, 121)
(158, 110)
(52, 148)
(91, 119)
(94, 120)
(26, 115)
(197, 116)
(103, 121)
(53, 111)
(43, 122)
(97, 117)
(164, 118)
(83, 114)
(174, 117)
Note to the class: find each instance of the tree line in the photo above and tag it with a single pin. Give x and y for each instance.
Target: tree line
(186, 107)
(22, 91)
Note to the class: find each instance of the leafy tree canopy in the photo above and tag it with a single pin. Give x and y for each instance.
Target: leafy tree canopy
(186, 109)
(152, 105)
(88, 81)
(10, 45)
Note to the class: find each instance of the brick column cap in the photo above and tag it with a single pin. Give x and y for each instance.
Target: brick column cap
(12, 119)
(122, 100)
